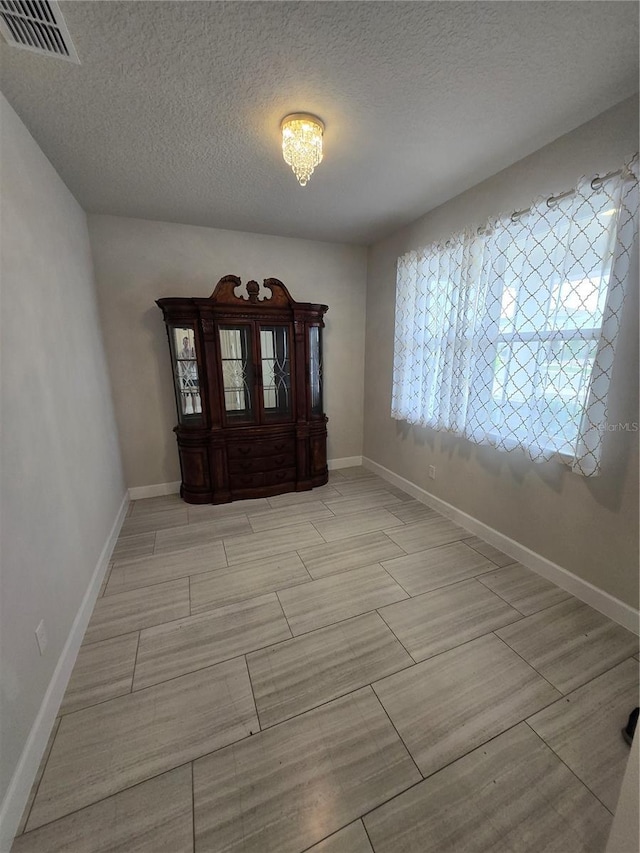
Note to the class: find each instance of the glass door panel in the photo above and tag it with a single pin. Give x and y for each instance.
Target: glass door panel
(237, 371)
(185, 373)
(315, 370)
(276, 371)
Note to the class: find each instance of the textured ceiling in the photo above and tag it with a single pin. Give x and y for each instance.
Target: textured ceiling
(174, 112)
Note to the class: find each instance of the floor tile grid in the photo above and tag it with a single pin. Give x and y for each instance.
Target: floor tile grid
(343, 694)
(379, 483)
(372, 683)
(191, 764)
(306, 633)
(323, 703)
(189, 574)
(361, 817)
(488, 570)
(435, 773)
(284, 615)
(335, 483)
(364, 814)
(287, 621)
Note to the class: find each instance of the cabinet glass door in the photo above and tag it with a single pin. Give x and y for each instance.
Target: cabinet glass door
(185, 374)
(276, 372)
(237, 371)
(315, 370)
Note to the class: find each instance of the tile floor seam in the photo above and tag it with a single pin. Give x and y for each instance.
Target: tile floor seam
(391, 578)
(366, 831)
(506, 566)
(135, 663)
(324, 541)
(458, 582)
(576, 686)
(430, 548)
(337, 831)
(397, 638)
(527, 662)
(409, 753)
(335, 698)
(198, 669)
(285, 619)
(120, 790)
(193, 807)
(253, 696)
(56, 727)
(479, 579)
(450, 583)
(562, 761)
(311, 578)
(157, 583)
(547, 606)
(261, 728)
(338, 621)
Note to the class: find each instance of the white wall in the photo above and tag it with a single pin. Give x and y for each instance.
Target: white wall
(61, 487)
(138, 261)
(588, 526)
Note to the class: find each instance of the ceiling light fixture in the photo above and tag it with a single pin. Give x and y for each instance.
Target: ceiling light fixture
(302, 144)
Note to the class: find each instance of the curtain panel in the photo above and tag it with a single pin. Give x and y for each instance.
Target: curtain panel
(506, 334)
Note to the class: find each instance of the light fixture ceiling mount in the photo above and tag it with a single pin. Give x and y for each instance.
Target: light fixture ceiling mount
(302, 144)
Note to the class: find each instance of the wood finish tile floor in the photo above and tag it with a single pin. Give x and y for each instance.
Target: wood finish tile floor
(338, 671)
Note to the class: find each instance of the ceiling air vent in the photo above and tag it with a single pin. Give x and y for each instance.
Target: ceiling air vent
(37, 25)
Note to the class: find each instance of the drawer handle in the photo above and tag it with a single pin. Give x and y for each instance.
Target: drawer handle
(244, 450)
(280, 446)
(280, 475)
(246, 465)
(279, 460)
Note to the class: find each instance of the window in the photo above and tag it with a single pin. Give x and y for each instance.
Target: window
(506, 335)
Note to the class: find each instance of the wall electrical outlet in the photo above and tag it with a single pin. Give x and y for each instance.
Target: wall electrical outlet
(41, 637)
(432, 472)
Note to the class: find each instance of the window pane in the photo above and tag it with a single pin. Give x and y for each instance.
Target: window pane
(276, 369)
(183, 348)
(315, 370)
(235, 352)
(540, 388)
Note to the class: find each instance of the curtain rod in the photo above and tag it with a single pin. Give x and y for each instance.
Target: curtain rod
(553, 199)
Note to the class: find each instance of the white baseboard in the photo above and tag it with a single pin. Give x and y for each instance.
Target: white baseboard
(600, 600)
(345, 462)
(138, 493)
(15, 799)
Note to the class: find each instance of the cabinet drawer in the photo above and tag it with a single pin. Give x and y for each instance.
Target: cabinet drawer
(263, 463)
(238, 482)
(284, 475)
(256, 449)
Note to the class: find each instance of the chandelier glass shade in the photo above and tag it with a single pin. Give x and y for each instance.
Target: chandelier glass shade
(302, 144)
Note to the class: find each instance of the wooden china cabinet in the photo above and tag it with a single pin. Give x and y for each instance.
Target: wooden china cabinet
(247, 371)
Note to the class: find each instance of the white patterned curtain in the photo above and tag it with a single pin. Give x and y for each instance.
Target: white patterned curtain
(506, 335)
